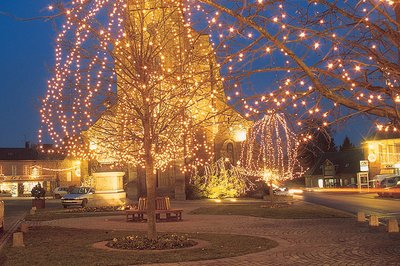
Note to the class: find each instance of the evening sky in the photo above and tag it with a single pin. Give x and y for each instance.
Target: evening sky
(26, 59)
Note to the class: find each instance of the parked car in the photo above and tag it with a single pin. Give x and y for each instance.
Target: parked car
(390, 181)
(393, 192)
(379, 178)
(79, 196)
(282, 191)
(1, 216)
(59, 192)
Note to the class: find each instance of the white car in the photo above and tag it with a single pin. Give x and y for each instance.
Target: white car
(283, 193)
(60, 192)
(79, 196)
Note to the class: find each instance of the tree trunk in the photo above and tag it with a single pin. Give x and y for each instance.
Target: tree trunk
(271, 192)
(151, 198)
(150, 183)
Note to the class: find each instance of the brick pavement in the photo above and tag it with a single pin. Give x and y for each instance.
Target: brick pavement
(333, 241)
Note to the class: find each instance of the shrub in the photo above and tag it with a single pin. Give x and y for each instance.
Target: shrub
(220, 181)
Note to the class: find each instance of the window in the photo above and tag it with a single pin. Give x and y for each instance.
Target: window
(390, 151)
(230, 153)
(35, 171)
(397, 151)
(13, 170)
(69, 176)
(26, 170)
(382, 154)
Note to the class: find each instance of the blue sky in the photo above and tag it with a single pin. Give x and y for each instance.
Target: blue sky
(25, 62)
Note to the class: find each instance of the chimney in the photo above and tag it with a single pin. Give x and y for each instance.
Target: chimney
(27, 145)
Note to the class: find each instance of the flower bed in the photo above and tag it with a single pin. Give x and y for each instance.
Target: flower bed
(137, 242)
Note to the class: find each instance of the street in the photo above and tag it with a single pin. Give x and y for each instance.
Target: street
(15, 208)
(355, 202)
(14, 211)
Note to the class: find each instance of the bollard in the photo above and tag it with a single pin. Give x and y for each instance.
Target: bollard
(18, 239)
(393, 226)
(373, 220)
(32, 211)
(24, 227)
(361, 217)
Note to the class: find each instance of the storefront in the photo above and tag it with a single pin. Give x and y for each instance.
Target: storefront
(20, 186)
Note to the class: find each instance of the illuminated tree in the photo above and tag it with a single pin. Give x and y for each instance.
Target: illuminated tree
(270, 152)
(134, 84)
(322, 59)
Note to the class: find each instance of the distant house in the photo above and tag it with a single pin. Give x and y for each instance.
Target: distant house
(383, 153)
(335, 169)
(23, 168)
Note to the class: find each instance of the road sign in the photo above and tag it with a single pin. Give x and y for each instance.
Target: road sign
(364, 166)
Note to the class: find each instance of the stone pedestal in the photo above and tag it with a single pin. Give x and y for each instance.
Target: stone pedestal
(18, 239)
(109, 189)
(393, 226)
(39, 203)
(132, 190)
(373, 221)
(361, 217)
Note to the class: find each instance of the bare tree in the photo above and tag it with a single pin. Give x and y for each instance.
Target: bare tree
(139, 82)
(321, 59)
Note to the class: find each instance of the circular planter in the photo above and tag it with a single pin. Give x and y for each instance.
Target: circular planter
(39, 203)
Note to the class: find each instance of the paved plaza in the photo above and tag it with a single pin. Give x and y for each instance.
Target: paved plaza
(332, 241)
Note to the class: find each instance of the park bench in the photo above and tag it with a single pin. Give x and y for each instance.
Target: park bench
(163, 207)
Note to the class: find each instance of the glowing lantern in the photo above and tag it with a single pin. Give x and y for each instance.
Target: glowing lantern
(240, 135)
(372, 157)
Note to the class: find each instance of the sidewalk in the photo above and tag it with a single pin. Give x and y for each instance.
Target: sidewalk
(335, 241)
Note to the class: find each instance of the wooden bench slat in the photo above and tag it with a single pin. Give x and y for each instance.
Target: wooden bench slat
(163, 206)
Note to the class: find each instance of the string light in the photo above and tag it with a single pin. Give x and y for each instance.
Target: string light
(130, 71)
(328, 52)
(271, 149)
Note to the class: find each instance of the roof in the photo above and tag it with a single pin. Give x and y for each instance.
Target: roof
(26, 154)
(379, 135)
(346, 162)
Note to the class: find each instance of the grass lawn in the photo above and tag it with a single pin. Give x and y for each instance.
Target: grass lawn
(296, 211)
(65, 246)
(53, 214)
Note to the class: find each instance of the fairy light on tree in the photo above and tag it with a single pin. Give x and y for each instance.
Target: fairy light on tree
(270, 151)
(324, 60)
(135, 84)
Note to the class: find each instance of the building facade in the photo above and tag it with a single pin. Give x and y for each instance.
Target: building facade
(23, 168)
(335, 169)
(204, 97)
(382, 150)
